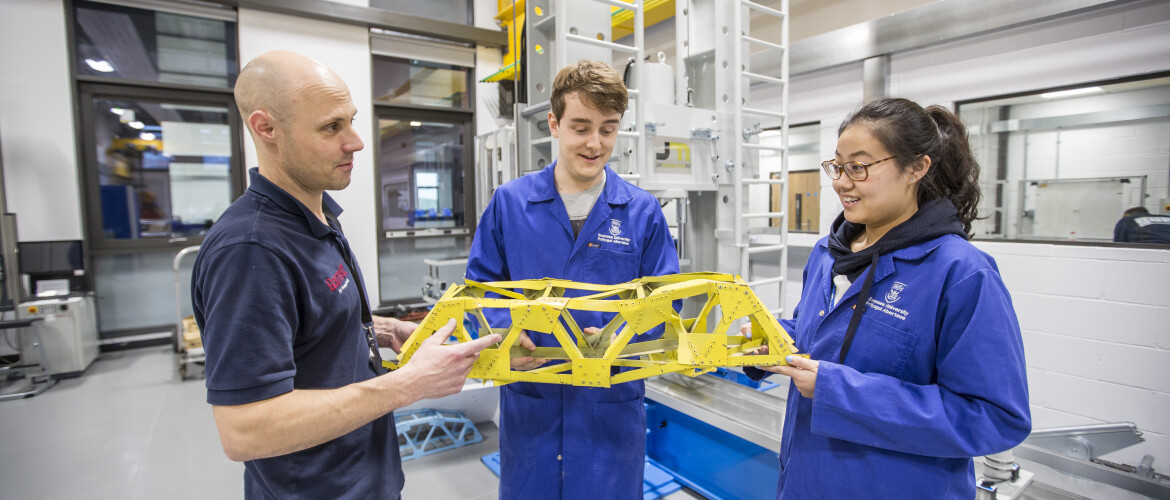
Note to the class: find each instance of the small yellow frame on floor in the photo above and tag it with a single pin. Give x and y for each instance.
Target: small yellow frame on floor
(690, 346)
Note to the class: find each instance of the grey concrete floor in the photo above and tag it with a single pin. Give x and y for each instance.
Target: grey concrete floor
(130, 429)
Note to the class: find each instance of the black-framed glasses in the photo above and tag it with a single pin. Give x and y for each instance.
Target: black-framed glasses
(856, 170)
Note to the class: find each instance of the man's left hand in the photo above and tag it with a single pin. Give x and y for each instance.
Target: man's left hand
(392, 333)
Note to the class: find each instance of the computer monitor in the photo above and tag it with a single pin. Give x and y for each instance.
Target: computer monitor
(45, 261)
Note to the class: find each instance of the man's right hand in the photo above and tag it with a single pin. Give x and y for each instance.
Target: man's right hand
(526, 363)
(436, 370)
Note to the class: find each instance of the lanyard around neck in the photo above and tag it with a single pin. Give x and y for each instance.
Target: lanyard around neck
(367, 317)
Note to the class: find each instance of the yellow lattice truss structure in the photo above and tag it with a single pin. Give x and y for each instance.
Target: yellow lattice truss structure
(690, 346)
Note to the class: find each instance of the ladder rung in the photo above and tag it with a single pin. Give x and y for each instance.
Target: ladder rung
(763, 112)
(765, 43)
(540, 24)
(763, 78)
(763, 146)
(603, 44)
(632, 135)
(763, 215)
(776, 312)
(632, 92)
(536, 108)
(766, 248)
(764, 181)
(621, 5)
(765, 281)
(761, 8)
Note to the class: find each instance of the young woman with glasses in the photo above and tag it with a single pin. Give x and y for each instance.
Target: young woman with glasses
(916, 362)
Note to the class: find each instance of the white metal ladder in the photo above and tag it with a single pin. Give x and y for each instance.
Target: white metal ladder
(743, 144)
(562, 37)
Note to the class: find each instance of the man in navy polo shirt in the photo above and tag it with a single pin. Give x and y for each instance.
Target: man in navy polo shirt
(292, 372)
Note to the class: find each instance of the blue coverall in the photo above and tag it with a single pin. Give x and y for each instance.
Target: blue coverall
(934, 377)
(564, 441)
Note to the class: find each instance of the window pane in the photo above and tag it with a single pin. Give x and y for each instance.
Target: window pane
(422, 174)
(137, 290)
(1067, 165)
(414, 82)
(403, 270)
(163, 169)
(139, 44)
(451, 11)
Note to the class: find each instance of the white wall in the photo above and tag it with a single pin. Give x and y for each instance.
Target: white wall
(345, 49)
(1094, 318)
(36, 122)
(1094, 321)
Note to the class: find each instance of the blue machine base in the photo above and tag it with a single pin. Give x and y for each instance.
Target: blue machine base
(708, 460)
(656, 482)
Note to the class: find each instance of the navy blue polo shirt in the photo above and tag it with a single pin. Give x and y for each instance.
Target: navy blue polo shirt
(1143, 228)
(278, 309)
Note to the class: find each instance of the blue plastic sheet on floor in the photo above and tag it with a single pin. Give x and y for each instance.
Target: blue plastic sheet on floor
(656, 483)
(741, 379)
(424, 432)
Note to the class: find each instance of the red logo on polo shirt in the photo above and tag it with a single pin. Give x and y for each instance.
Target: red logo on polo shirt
(339, 280)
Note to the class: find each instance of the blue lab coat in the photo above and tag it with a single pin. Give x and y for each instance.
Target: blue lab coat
(563, 441)
(934, 377)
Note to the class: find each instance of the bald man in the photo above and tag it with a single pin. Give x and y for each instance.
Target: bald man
(293, 376)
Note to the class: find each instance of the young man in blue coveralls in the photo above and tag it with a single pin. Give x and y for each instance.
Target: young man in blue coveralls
(575, 220)
(292, 367)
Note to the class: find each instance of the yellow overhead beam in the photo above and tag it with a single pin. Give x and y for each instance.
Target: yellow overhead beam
(622, 21)
(656, 12)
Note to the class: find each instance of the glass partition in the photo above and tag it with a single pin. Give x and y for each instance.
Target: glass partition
(154, 46)
(163, 168)
(414, 82)
(451, 11)
(405, 263)
(421, 171)
(1067, 164)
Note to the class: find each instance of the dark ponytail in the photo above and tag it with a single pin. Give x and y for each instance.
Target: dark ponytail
(906, 129)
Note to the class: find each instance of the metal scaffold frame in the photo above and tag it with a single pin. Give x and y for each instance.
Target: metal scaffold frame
(710, 181)
(744, 77)
(552, 30)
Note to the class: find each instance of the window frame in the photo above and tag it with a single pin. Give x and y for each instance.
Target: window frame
(999, 215)
(90, 180)
(455, 116)
(85, 87)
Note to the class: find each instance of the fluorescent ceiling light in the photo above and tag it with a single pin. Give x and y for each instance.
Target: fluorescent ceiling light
(146, 136)
(770, 133)
(1071, 92)
(136, 125)
(100, 65)
(415, 124)
(117, 111)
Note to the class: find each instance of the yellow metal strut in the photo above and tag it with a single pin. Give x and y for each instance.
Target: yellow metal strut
(689, 346)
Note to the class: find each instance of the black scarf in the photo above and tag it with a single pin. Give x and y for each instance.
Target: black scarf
(933, 219)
